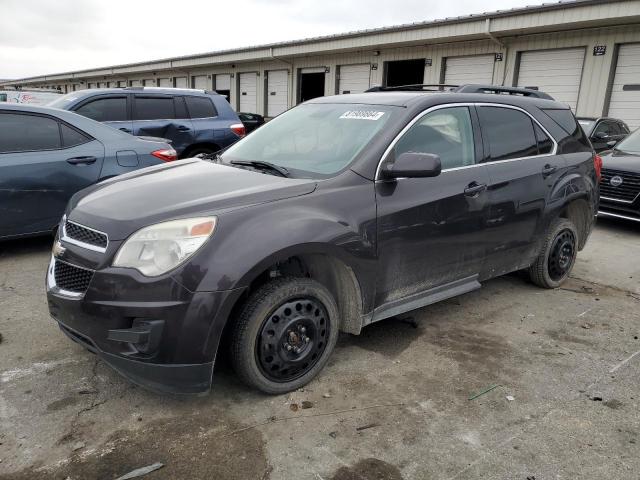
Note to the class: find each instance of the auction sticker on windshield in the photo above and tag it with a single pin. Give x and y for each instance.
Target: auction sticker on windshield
(362, 115)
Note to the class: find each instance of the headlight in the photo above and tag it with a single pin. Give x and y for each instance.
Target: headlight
(159, 248)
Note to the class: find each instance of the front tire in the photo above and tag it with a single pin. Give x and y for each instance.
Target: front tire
(558, 255)
(284, 334)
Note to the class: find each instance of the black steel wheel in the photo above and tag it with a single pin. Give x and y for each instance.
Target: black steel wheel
(284, 334)
(562, 254)
(292, 339)
(557, 256)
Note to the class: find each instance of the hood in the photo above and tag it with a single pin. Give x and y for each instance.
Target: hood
(618, 160)
(122, 205)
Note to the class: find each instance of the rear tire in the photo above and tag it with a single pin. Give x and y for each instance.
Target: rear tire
(284, 334)
(558, 255)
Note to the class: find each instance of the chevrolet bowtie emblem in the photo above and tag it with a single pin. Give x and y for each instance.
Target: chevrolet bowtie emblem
(58, 250)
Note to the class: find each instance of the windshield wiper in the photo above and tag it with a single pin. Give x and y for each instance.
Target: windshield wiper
(259, 164)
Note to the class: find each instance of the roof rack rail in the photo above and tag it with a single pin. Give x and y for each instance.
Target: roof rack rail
(496, 89)
(419, 87)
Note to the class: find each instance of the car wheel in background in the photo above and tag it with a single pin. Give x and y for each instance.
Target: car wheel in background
(558, 255)
(284, 334)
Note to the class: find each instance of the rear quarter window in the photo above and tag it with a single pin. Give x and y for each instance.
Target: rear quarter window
(200, 107)
(72, 137)
(574, 139)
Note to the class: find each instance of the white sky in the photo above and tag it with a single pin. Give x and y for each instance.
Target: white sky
(44, 36)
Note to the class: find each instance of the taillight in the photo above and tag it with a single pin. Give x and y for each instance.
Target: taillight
(238, 129)
(597, 163)
(166, 155)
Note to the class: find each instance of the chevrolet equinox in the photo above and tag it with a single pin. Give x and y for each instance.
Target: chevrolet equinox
(341, 212)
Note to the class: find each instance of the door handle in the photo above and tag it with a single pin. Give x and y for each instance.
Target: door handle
(549, 170)
(81, 160)
(474, 189)
(127, 130)
(182, 128)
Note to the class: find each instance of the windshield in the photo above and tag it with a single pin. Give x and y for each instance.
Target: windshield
(586, 124)
(316, 140)
(631, 143)
(63, 100)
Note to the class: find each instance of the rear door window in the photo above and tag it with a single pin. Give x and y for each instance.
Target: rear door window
(111, 109)
(26, 133)
(154, 108)
(510, 133)
(200, 107)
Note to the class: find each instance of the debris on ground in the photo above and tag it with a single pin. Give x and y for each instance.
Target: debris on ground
(510, 398)
(87, 392)
(333, 434)
(307, 404)
(293, 407)
(367, 427)
(139, 472)
(326, 395)
(596, 398)
(587, 326)
(487, 390)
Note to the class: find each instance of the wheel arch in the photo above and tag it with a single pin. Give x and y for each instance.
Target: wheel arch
(581, 214)
(328, 266)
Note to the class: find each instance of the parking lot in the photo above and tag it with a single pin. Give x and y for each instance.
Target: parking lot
(394, 403)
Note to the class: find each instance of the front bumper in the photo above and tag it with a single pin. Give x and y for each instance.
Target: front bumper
(187, 327)
(613, 208)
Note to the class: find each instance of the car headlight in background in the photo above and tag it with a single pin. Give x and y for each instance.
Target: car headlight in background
(159, 248)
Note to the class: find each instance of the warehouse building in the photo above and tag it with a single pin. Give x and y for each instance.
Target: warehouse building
(585, 53)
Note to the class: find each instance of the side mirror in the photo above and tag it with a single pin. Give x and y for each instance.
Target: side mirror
(413, 165)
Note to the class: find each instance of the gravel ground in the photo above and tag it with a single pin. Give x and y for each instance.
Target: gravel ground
(393, 403)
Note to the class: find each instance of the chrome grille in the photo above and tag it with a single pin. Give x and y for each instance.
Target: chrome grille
(85, 235)
(71, 278)
(628, 191)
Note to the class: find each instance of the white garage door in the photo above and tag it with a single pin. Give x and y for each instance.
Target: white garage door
(625, 94)
(165, 82)
(199, 82)
(354, 78)
(277, 92)
(556, 72)
(470, 69)
(181, 82)
(248, 92)
(223, 82)
(149, 82)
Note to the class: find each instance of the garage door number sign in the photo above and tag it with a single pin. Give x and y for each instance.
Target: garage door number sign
(599, 50)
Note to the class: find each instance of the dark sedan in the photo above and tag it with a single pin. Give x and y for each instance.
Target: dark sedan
(604, 133)
(620, 187)
(251, 121)
(47, 155)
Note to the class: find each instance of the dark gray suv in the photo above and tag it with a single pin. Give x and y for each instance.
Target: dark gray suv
(341, 212)
(196, 121)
